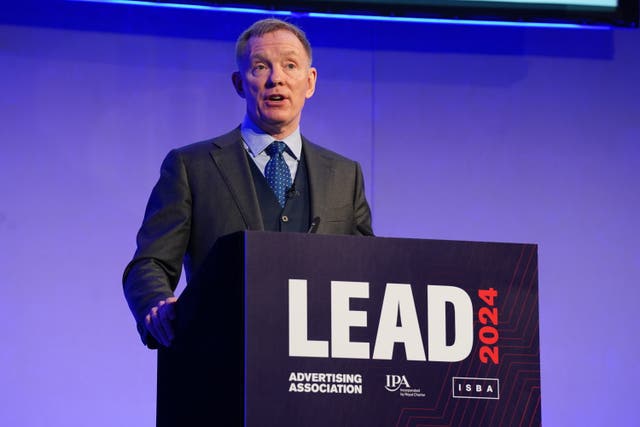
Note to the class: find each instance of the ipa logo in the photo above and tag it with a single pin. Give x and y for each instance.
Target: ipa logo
(394, 382)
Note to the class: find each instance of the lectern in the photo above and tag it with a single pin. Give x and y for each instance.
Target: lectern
(299, 330)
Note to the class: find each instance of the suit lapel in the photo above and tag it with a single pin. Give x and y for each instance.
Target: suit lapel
(230, 158)
(320, 171)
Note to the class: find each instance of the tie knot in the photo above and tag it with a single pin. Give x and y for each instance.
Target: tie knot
(276, 147)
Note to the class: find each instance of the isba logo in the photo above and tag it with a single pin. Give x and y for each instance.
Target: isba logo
(394, 382)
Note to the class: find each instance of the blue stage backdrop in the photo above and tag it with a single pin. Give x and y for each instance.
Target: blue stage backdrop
(466, 133)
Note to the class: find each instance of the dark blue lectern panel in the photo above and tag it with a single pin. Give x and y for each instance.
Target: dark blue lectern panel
(354, 331)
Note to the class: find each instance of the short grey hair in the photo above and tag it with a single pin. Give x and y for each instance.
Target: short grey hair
(266, 26)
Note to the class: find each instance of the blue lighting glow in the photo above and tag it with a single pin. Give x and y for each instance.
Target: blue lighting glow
(351, 17)
(193, 7)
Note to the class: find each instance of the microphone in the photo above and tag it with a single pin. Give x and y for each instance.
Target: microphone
(314, 225)
(291, 192)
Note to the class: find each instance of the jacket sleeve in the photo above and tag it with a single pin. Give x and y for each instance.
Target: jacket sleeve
(153, 273)
(362, 212)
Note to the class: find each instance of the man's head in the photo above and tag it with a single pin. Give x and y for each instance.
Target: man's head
(274, 75)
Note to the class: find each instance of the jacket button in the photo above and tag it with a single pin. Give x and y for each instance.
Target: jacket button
(285, 218)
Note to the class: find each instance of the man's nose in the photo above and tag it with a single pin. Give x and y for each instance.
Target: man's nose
(276, 77)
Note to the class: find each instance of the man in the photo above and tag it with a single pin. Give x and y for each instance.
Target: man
(261, 176)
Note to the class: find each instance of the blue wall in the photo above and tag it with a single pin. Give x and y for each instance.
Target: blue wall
(469, 133)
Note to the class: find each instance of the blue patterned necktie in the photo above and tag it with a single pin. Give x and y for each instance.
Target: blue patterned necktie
(277, 172)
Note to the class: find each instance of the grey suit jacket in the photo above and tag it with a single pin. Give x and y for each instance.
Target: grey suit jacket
(206, 191)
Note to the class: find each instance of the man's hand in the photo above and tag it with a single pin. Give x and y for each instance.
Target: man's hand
(158, 321)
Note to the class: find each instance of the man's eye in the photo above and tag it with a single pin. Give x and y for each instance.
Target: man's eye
(259, 67)
(290, 66)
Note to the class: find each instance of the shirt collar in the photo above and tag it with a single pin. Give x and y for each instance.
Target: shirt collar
(256, 140)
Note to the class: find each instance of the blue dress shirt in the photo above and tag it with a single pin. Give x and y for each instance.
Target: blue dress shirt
(256, 140)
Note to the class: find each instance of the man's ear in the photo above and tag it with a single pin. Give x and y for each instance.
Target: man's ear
(236, 79)
(312, 77)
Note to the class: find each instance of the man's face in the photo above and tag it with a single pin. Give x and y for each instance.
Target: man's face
(275, 79)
